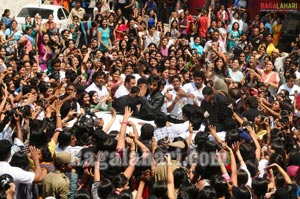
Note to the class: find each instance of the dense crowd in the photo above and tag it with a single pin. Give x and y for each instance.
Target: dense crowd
(224, 101)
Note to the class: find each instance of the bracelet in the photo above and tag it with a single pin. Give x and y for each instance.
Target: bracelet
(124, 122)
(58, 129)
(58, 115)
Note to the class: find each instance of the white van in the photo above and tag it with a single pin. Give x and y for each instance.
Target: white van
(44, 10)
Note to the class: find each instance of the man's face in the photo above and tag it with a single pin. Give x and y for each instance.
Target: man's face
(130, 84)
(269, 38)
(215, 36)
(255, 31)
(291, 82)
(78, 5)
(152, 86)
(176, 83)
(198, 82)
(100, 81)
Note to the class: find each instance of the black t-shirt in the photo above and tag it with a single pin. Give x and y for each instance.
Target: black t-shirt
(251, 114)
(288, 192)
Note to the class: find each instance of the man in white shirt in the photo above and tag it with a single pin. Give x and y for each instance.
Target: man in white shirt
(99, 79)
(163, 131)
(124, 89)
(19, 175)
(290, 86)
(215, 38)
(178, 100)
(194, 89)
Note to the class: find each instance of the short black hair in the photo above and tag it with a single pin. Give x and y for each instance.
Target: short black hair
(198, 73)
(147, 131)
(142, 80)
(128, 78)
(99, 73)
(5, 147)
(134, 90)
(160, 120)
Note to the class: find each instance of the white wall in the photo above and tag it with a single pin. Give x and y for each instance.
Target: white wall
(15, 5)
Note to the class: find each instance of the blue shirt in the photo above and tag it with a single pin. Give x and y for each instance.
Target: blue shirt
(198, 47)
(16, 36)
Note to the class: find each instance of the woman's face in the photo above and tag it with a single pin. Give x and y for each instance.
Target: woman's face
(114, 55)
(120, 21)
(22, 72)
(257, 120)
(104, 23)
(167, 63)
(11, 86)
(83, 80)
(95, 98)
(116, 76)
(165, 74)
(153, 62)
(180, 62)
(34, 67)
(120, 55)
(86, 99)
(269, 66)
(9, 70)
(71, 44)
(219, 64)
(28, 19)
(179, 53)
(119, 12)
(94, 44)
(123, 44)
(235, 64)
(14, 25)
(214, 24)
(236, 26)
(111, 18)
(75, 61)
(276, 106)
(49, 92)
(186, 75)
(46, 38)
(173, 61)
(128, 70)
(174, 24)
(99, 54)
(50, 18)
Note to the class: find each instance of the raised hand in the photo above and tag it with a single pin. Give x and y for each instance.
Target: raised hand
(127, 113)
(236, 146)
(35, 153)
(167, 158)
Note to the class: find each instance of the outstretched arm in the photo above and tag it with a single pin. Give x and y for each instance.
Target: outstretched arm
(121, 139)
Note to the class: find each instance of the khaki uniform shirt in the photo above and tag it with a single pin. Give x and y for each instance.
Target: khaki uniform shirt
(56, 184)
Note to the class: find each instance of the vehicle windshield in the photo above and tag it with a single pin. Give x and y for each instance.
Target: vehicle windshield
(44, 13)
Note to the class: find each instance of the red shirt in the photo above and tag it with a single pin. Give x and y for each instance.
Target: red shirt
(202, 23)
(190, 20)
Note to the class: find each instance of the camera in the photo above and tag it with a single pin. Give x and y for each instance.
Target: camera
(5, 181)
(24, 110)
